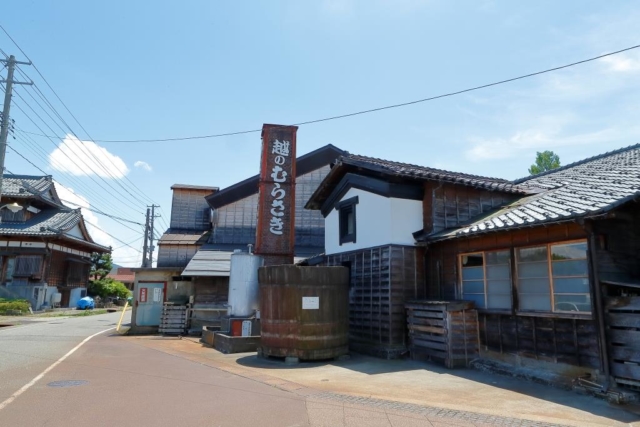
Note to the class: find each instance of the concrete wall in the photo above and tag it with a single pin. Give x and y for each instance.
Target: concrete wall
(379, 221)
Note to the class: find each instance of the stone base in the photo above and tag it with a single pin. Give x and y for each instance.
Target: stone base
(227, 344)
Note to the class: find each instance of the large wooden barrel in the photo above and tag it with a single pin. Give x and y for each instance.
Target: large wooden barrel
(304, 311)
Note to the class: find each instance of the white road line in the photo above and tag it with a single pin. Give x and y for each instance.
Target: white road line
(26, 387)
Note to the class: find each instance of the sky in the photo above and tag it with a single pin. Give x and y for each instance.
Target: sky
(164, 69)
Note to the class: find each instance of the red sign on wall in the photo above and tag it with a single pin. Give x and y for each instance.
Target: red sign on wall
(143, 295)
(275, 234)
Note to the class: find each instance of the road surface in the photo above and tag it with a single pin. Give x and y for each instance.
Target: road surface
(108, 381)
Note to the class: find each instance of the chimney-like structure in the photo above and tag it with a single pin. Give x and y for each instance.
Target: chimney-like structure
(275, 233)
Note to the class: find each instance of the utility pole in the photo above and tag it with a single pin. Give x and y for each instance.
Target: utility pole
(4, 128)
(151, 235)
(145, 247)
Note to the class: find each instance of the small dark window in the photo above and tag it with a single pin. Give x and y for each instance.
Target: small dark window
(347, 213)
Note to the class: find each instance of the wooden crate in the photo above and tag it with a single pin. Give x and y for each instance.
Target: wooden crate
(443, 331)
(173, 320)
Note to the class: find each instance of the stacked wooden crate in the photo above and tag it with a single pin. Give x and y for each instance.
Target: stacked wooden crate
(173, 320)
(443, 331)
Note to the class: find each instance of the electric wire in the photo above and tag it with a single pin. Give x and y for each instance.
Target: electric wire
(382, 108)
(61, 101)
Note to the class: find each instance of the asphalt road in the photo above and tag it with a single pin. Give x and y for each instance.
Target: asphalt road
(116, 382)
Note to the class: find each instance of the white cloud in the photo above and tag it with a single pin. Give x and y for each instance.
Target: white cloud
(142, 165)
(532, 140)
(82, 158)
(622, 63)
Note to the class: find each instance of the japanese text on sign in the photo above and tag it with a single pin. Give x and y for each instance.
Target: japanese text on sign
(279, 176)
(143, 295)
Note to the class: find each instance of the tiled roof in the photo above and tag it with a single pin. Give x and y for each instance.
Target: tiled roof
(589, 187)
(50, 222)
(25, 185)
(426, 173)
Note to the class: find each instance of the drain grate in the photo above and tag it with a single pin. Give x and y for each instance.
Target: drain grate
(67, 383)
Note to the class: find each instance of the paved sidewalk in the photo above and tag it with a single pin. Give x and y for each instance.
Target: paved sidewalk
(370, 392)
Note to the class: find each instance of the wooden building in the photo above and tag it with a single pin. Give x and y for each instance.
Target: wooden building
(45, 248)
(551, 261)
(208, 224)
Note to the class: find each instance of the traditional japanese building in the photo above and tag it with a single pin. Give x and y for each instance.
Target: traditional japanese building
(551, 261)
(45, 251)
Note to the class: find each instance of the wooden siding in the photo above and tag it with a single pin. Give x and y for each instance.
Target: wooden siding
(175, 255)
(448, 206)
(235, 223)
(382, 280)
(190, 210)
(569, 341)
(544, 336)
(56, 264)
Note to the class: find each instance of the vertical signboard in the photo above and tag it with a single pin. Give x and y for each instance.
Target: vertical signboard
(275, 233)
(143, 295)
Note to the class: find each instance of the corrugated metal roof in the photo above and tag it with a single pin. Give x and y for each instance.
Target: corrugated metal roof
(194, 187)
(208, 263)
(591, 186)
(182, 237)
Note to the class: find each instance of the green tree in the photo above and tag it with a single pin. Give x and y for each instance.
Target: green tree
(108, 287)
(545, 161)
(101, 265)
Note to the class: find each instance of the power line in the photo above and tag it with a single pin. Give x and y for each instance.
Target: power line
(371, 110)
(112, 236)
(64, 105)
(65, 154)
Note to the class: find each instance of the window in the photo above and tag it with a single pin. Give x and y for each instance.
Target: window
(554, 278)
(27, 265)
(347, 219)
(486, 279)
(11, 262)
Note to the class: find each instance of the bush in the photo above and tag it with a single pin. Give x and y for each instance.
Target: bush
(108, 287)
(14, 305)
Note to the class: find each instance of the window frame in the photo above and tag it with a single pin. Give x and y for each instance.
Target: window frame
(345, 206)
(553, 311)
(484, 279)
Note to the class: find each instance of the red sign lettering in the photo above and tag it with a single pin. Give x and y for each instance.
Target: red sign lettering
(143, 295)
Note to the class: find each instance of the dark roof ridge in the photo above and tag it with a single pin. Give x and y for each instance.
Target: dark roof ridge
(19, 176)
(578, 163)
(436, 170)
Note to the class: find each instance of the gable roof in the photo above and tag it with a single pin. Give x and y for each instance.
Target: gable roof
(397, 172)
(304, 164)
(586, 188)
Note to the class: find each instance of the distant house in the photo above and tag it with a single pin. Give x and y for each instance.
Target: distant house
(124, 275)
(551, 261)
(45, 250)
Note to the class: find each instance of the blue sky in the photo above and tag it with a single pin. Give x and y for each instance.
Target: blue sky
(162, 69)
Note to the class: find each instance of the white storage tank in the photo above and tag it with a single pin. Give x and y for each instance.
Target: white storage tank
(243, 284)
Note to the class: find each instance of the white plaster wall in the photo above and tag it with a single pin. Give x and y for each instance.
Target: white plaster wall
(379, 221)
(76, 232)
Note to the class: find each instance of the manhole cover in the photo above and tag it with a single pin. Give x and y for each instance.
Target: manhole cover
(67, 383)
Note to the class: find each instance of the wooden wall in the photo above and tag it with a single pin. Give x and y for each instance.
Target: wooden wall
(382, 280)
(447, 205)
(442, 257)
(544, 336)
